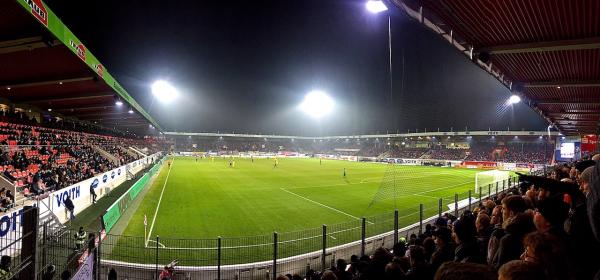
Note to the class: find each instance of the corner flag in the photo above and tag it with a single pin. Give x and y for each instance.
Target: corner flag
(145, 220)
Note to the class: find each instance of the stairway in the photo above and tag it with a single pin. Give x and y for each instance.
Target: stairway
(106, 154)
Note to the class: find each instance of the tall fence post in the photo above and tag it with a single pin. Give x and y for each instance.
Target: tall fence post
(480, 196)
(29, 239)
(396, 226)
(440, 202)
(504, 184)
(274, 255)
(490, 190)
(456, 205)
(420, 218)
(469, 207)
(324, 249)
(98, 252)
(496, 188)
(363, 236)
(219, 252)
(156, 260)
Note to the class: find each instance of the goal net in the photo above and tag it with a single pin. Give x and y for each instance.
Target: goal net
(491, 177)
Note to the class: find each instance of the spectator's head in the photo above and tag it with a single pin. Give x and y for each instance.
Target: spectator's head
(393, 270)
(283, 277)
(520, 270)
(496, 218)
(417, 255)
(584, 179)
(551, 213)
(441, 222)
(464, 229)
(399, 249)
(464, 271)
(341, 264)
(381, 255)
(442, 237)
(429, 245)
(328, 275)
(511, 206)
(547, 251)
(482, 222)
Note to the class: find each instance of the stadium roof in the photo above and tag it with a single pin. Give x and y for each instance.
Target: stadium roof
(547, 51)
(45, 65)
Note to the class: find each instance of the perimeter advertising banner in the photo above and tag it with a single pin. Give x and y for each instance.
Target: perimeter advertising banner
(588, 144)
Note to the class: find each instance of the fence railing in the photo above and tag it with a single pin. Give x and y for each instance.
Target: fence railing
(266, 256)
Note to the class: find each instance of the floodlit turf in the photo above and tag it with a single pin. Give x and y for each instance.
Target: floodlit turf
(245, 204)
(206, 199)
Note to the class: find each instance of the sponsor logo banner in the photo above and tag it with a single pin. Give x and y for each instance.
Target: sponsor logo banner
(38, 10)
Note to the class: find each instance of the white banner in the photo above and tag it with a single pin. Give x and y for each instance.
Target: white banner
(86, 270)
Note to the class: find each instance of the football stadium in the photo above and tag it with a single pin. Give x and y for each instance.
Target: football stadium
(351, 140)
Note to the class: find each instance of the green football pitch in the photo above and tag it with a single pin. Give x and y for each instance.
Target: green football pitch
(208, 198)
(192, 202)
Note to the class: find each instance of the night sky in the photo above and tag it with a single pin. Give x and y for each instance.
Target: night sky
(244, 66)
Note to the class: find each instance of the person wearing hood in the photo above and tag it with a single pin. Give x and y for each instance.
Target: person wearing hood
(511, 244)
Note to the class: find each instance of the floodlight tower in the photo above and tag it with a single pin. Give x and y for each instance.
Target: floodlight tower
(376, 7)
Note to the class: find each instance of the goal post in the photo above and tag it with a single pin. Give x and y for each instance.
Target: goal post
(485, 178)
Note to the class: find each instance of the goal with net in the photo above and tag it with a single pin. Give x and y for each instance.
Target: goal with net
(491, 177)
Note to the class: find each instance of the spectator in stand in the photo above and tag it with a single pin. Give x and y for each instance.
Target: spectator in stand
(340, 270)
(464, 234)
(511, 244)
(551, 215)
(419, 266)
(444, 248)
(484, 232)
(464, 271)
(549, 252)
(521, 270)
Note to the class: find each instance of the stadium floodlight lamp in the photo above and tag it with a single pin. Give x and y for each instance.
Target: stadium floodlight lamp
(514, 99)
(317, 104)
(164, 91)
(119, 102)
(130, 111)
(376, 6)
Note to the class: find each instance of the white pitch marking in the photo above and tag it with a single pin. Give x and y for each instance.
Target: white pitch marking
(320, 204)
(159, 200)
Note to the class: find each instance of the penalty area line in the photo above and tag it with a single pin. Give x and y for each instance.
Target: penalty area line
(159, 200)
(322, 205)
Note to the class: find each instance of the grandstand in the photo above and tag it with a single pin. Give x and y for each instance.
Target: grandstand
(77, 150)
